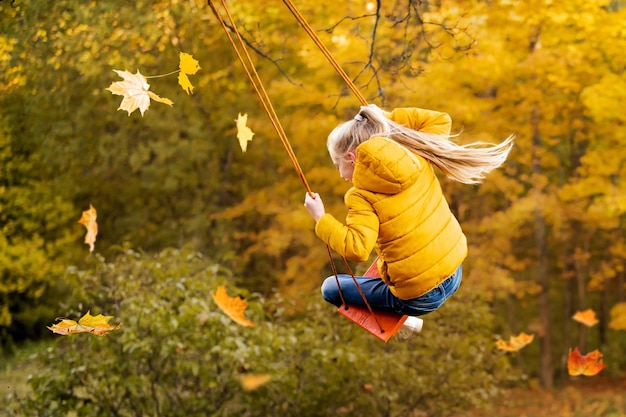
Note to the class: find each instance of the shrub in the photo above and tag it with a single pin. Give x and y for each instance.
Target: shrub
(177, 354)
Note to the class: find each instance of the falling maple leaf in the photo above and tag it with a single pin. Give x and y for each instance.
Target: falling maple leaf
(233, 307)
(244, 134)
(515, 343)
(368, 387)
(98, 325)
(88, 219)
(587, 317)
(588, 365)
(188, 66)
(136, 92)
(618, 317)
(251, 382)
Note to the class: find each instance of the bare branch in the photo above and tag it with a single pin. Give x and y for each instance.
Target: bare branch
(258, 50)
(332, 28)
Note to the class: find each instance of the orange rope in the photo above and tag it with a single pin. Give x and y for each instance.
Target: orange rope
(324, 50)
(305, 25)
(358, 287)
(250, 70)
(258, 87)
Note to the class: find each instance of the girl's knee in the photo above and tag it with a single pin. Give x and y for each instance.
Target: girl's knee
(330, 291)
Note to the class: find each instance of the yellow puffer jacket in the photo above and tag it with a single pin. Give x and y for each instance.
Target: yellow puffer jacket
(397, 207)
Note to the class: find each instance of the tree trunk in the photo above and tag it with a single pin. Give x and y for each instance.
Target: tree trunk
(545, 372)
(580, 263)
(568, 308)
(547, 379)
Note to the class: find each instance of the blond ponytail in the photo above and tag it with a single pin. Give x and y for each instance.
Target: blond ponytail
(468, 164)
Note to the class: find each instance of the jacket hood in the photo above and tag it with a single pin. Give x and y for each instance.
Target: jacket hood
(384, 166)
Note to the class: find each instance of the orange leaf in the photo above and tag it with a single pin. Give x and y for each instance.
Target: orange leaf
(244, 133)
(589, 364)
(233, 307)
(251, 382)
(98, 325)
(88, 219)
(587, 317)
(515, 343)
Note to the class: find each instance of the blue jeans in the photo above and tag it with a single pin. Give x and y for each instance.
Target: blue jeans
(380, 297)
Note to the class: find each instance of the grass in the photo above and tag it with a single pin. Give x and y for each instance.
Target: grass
(581, 397)
(15, 371)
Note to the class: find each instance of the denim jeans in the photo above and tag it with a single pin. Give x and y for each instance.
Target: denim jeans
(380, 297)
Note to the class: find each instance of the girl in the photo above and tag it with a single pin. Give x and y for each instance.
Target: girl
(396, 206)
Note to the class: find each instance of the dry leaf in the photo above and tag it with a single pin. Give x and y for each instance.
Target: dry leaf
(251, 382)
(244, 134)
(589, 364)
(233, 307)
(88, 219)
(98, 325)
(587, 317)
(135, 90)
(188, 66)
(368, 387)
(515, 343)
(618, 317)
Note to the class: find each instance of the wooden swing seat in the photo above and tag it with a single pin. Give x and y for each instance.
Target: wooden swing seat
(383, 325)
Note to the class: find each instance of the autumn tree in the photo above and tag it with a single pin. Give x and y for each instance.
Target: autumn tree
(532, 72)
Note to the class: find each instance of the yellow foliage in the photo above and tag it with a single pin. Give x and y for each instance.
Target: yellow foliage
(618, 316)
(606, 100)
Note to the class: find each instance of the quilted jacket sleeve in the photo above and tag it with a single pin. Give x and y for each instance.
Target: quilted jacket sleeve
(428, 121)
(356, 239)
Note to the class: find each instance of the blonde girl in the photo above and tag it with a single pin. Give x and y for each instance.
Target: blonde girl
(397, 208)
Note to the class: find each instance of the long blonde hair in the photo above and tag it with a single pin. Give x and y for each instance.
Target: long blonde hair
(467, 164)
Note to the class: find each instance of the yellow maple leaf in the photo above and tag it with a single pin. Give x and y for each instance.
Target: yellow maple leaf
(233, 307)
(244, 133)
(136, 92)
(188, 66)
(88, 219)
(618, 316)
(515, 343)
(587, 317)
(251, 382)
(98, 325)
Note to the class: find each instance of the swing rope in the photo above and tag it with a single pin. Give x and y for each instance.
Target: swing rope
(254, 78)
(258, 87)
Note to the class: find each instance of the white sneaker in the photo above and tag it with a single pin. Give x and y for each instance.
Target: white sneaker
(411, 328)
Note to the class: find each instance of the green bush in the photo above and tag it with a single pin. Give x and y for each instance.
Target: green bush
(177, 354)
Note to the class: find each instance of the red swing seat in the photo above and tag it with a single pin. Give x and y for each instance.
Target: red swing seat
(383, 325)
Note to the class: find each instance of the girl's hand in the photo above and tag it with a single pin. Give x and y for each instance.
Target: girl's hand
(314, 205)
